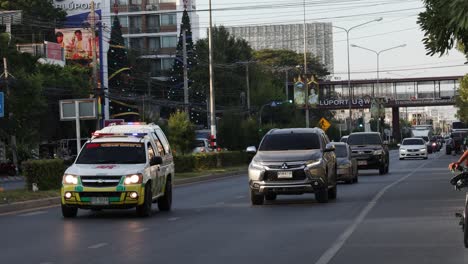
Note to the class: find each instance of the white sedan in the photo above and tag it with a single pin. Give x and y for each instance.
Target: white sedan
(413, 148)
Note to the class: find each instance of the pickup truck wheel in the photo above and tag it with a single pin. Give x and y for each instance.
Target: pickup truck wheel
(382, 170)
(332, 193)
(322, 195)
(68, 211)
(144, 210)
(256, 199)
(270, 196)
(165, 202)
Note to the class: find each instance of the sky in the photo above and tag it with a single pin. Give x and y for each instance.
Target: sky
(398, 27)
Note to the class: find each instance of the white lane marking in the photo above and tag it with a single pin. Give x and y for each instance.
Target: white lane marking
(139, 230)
(338, 244)
(33, 213)
(100, 245)
(219, 203)
(173, 219)
(240, 197)
(46, 263)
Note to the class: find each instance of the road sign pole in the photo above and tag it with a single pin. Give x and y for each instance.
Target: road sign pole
(77, 122)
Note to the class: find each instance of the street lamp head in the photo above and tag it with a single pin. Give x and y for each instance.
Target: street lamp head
(378, 19)
(403, 45)
(354, 46)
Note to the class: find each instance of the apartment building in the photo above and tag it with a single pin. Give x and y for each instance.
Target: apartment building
(319, 38)
(151, 29)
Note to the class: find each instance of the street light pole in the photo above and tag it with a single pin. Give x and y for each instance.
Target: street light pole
(212, 99)
(377, 83)
(347, 30)
(378, 59)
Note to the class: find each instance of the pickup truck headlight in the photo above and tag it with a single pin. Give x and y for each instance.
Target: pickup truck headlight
(313, 163)
(133, 179)
(255, 170)
(378, 152)
(70, 179)
(256, 165)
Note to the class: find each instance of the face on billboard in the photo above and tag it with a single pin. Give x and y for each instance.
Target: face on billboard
(77, 43)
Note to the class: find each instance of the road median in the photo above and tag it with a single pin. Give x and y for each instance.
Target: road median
(19, 200)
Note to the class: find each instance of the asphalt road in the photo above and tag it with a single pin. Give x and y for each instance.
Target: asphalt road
(406, 216)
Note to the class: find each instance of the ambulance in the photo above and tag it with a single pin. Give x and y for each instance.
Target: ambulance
(121, 167)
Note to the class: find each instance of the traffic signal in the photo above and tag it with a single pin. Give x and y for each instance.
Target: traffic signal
(361, 122)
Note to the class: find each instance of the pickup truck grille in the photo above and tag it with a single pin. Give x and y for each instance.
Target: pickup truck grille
(100, 194)
(100, 181)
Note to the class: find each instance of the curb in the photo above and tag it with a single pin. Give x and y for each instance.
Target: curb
(55, 201)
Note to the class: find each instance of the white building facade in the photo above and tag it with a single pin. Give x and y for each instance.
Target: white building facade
(319, 39)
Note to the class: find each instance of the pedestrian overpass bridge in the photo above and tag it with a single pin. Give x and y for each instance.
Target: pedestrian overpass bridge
(406, 92)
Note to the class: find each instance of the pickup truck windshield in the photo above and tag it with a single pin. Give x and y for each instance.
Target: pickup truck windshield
(112, 153)
(290, 141)
(364, 139)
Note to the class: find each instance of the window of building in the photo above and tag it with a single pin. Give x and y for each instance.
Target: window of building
(136, 44)
(154, 43)
(152, 23)
(135, 2)
(169, 42)
(167, 64)
(168, 19)
(135, 24)
(167, 1)
(152, 2)
(123, 21)
(155, 67)
(122, 2)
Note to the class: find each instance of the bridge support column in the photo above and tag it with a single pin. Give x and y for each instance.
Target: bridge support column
(396, 123)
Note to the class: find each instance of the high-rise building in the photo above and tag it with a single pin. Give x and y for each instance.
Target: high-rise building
(151, 29)
(319, 38)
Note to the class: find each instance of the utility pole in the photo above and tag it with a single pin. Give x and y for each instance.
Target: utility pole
(248, 85)
(95, 69)
(286, 87)
(10, 116)
(184, 54)
(305, 72)
(212, 93)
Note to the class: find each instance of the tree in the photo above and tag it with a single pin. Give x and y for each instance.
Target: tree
(181, 132)
(280, 60)
(40, 18)
(119, 77)
(177, 72)
(445, 23)
(462, 100)
(229, 76)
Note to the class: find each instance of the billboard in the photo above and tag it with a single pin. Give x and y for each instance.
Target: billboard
(300, 92)
(76, 36)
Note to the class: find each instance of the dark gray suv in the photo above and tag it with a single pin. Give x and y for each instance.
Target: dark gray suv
(370, 151)
(293, 161)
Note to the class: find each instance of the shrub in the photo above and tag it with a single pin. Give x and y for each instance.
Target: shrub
(206, 161)
(47, 174)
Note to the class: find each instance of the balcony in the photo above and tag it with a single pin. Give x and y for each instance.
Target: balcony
(167, 6)
(155, 51)
(148, 7)
(141, 30)
(169, 28)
